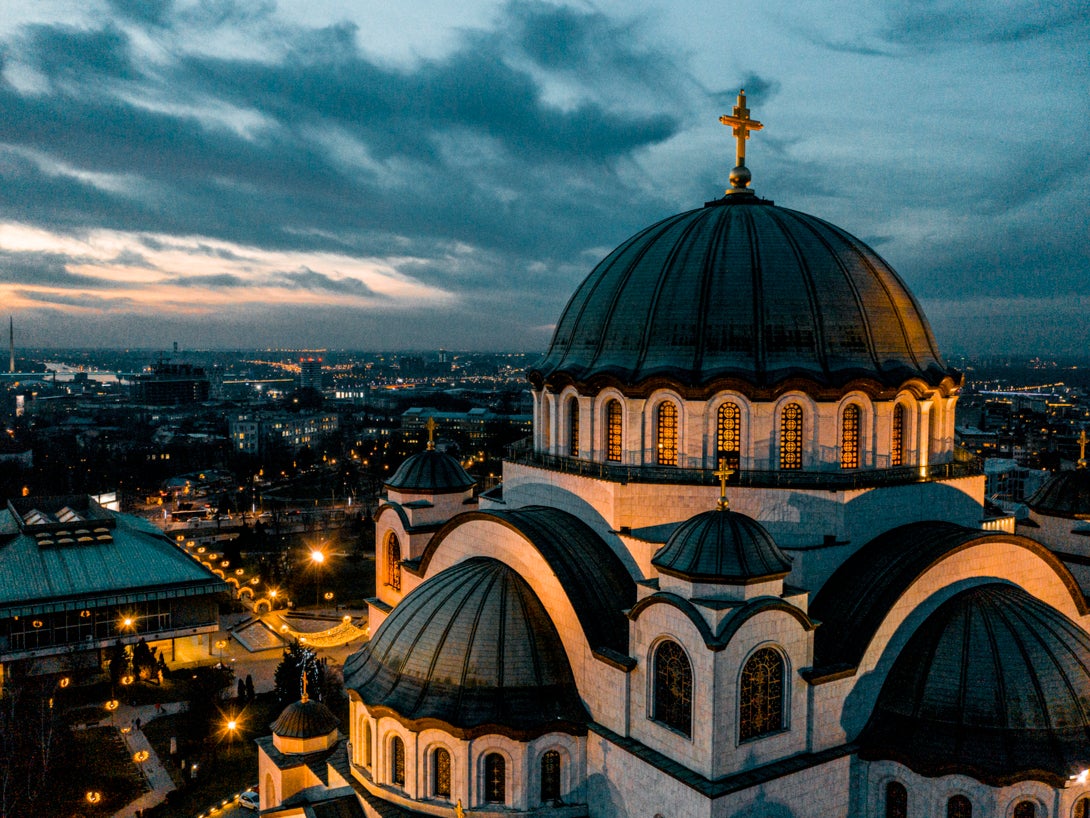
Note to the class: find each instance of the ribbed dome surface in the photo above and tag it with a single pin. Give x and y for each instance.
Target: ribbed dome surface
(1066, 494)
(430, 471)
(309, 719)
(473, 648)
(746, 290)
(995, 684)
(721, 546)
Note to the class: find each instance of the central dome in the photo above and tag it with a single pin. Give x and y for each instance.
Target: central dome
(742, 291)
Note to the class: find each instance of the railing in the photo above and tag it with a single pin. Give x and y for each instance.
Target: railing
(752, 478)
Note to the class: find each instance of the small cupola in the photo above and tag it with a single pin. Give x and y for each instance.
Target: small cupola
(305, 726)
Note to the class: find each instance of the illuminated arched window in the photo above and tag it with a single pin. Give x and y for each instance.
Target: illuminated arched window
(397, 762)
(897, 437)
(366, 739)
(760, 699)
(1082, 808)
(728, 434)
(791, 437)
(550, 776)
(1025, 809)
(613, 431)
(896, 800)
(959, 807)
(393, 562)
(495, 779)
(573, 427)
(673, 694)
(440, 773)
(666, 434)
(849, 438)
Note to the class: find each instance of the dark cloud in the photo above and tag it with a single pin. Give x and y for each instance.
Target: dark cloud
(46, 270)
(148, 12)
(307, 279)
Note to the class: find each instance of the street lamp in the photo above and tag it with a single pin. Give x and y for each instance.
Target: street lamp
(318, 558)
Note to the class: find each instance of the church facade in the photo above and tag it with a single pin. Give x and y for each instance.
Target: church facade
(740, 569)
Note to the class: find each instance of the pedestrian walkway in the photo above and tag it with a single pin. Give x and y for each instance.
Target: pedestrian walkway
(156, 775)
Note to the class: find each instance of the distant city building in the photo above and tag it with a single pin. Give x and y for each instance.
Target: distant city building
(473, 423)
(310, 374)
(172, 384)
(1006, 479)
(251, 434)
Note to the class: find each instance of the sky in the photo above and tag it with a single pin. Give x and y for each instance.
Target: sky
(377, 175)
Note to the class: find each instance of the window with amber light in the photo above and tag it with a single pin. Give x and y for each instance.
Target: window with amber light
(441, 773)
(613, 431)
(760, 702)
(849, 438)
(728, 434)
(1025, 809)
(393, 562)
(495, 779)
(366, 743)
(573, 428)
(897, 437)
(666, 434)
(791, 437)
(896, 800)
(673, 694)
(959, 807)
(550, 776)
(397, 762)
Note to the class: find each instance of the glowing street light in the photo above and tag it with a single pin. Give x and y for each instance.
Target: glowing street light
(93, 796)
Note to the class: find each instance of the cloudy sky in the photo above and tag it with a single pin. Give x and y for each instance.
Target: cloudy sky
(238, 173)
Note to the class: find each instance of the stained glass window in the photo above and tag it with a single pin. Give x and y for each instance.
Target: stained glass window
(666, 434)
(550, 776)
(573, 427)
(896, 800)
(1025, 809)
(897, 437)
(495, 779)
(397, 762)
(1082, 808)
(791, 437)
(613, 431)
(959, 807)
(366, 743)
(393, 562)
(441, 773)
(760, 704)
(728, 434)
(849, 438)
(673, 694)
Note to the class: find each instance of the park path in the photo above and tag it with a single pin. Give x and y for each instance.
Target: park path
(159, 780)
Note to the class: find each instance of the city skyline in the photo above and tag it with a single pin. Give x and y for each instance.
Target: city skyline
(232, 175)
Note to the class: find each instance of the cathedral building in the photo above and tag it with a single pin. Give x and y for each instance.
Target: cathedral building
(739, 569)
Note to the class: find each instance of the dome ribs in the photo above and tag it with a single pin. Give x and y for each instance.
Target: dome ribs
(720, 228)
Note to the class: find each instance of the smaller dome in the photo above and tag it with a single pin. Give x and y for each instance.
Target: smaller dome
(432, 472)
(1066, 494)
(305, 719)
(722, 546)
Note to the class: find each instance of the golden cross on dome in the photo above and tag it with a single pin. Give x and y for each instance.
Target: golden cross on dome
(305, 698)
(431, 433)
(459, 811)
(741, 125)
(723, 472)
(1083, 440)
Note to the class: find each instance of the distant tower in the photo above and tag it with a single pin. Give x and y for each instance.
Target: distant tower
(11, 342)
(310, 373)
(175, 347)
(442, 355)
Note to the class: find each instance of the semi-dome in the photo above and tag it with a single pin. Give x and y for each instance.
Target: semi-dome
(722, 546)
(995, 684)
(744, 292)
(1066, 494)
(431, 472)
(473, 649)
(305, 719)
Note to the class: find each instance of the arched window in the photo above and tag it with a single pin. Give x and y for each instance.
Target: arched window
(673, 694)
(1082, 808)
(397, 762)
(728, 434)
(666, 434)
(849, 438)
(791, 437)
(760, 701)
(550, 776)
(440, 773)
(959, 807)
(270, 791)
(897, 437)
(896, 800)
(393, 562)
(613, 431)
(366, 738)
(573, 427)
(1025, 809)
(495, 779)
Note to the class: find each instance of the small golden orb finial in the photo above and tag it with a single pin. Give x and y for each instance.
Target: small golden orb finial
(431, 433)
(1083, 440)
(723, 472)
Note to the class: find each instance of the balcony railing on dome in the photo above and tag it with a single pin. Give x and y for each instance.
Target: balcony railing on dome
(751, 478)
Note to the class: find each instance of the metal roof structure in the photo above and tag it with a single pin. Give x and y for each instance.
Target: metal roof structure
(722, 546)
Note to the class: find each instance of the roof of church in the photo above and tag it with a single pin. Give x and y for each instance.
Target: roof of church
(1065, 494)
(722, 546)
(992, 685)
(305, 719)
(473, 649)
(431, 471)
(741, 290)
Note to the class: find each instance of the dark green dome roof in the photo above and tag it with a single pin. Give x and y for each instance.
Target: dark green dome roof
(1066, 494)
(473, 649)
(309, 719)
(742, 290)
(721, 546)
(995, 684)
(431, 471)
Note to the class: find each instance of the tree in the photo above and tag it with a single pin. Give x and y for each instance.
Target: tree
(32, 741)
(288, 677)
(119, 663)
(207, 686)
(144, 665)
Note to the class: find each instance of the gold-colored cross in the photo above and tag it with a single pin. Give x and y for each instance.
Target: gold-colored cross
(304, 697)
(741, 125)
(723, 472)
(431, 433)
(1083, 440)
